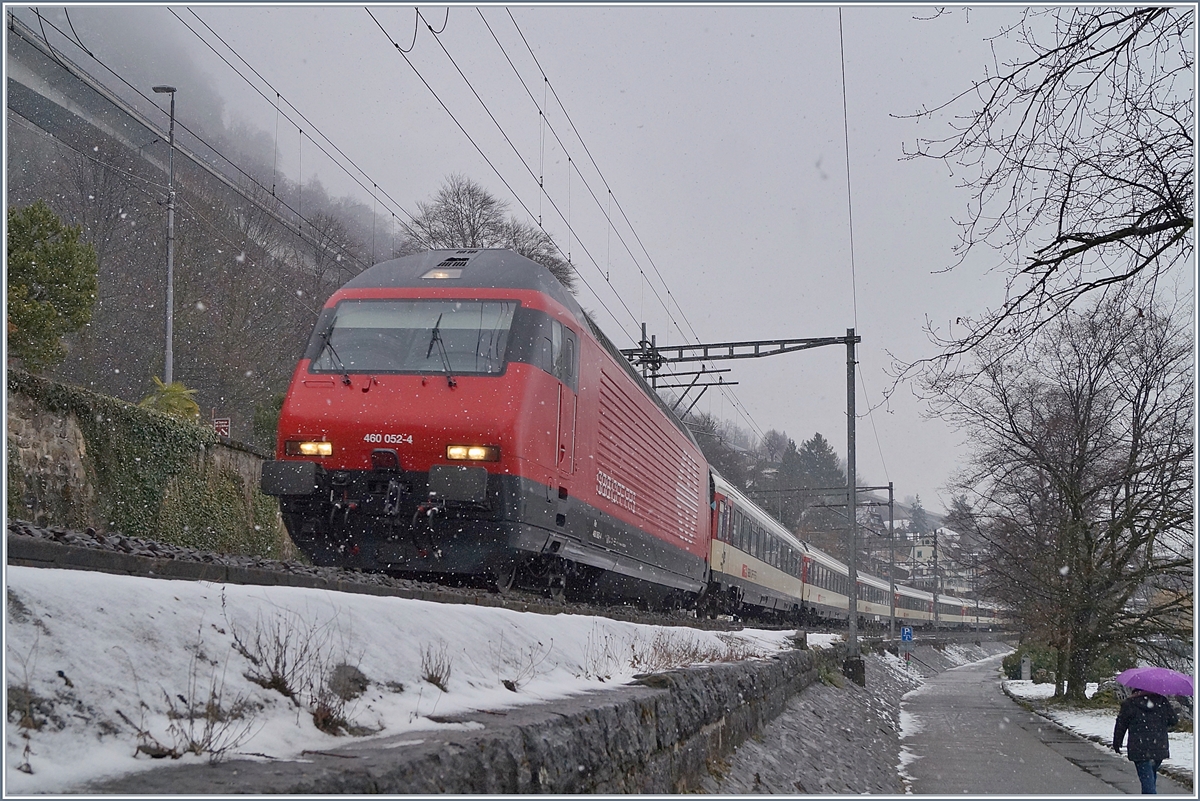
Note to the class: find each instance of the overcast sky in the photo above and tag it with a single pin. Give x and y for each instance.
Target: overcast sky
(718, 130)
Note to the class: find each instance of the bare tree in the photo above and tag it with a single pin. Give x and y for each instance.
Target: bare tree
(727, 460)
(463, 214)
(1081, 478)
(1079, 155)
(774, 443)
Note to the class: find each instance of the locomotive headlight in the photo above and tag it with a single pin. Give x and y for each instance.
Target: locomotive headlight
(473, 453)
(295, 447)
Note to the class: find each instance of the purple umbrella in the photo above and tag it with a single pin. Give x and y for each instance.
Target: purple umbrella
(1163, 681)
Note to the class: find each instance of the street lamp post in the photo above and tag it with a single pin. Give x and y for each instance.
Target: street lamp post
(936, 616)
(169, 356)
(892, 568)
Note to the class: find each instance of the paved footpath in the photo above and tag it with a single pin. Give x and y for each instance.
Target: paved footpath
(969, 737)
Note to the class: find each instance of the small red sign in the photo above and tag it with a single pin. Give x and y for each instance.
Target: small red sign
(221, 426)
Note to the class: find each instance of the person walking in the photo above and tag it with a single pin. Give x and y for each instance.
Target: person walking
(1146, 716)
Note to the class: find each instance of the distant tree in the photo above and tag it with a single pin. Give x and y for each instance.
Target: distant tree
(462, 214)
(918, 520)
(330, 254)
(960, 516)
(1080, 155)
(97, 191)
(792, 482)
(818, 519)
(820, 463)
(725, 459)
(1081, 476)
(51, 284)
(774, 443)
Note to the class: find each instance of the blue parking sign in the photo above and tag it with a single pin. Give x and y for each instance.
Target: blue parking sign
(906, 633)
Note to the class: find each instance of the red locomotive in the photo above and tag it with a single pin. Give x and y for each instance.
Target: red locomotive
(457, 412)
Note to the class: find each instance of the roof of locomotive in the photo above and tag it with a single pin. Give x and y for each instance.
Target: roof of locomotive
(492, 268)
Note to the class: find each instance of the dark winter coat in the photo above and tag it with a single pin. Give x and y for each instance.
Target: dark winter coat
(1147, 717)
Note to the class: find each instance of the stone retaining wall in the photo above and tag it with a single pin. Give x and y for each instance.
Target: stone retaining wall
(45, 464)
(656, 736)
(82, 460)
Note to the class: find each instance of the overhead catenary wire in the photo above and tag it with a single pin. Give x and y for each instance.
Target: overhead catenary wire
(850, 224)
(664, 303)
(545, 123)
(67, 14)
(307, 122)
(213, 228)
(125, 107)
(566, 218)
(485, 157)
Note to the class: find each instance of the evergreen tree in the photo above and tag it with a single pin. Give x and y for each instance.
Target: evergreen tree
(51, 284)
(820, 522)
(820, 463)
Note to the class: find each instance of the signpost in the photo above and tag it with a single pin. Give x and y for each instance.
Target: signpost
(906, 640)
(220, 424)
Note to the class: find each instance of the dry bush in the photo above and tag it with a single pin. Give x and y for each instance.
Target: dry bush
(436, 666)
(203, 722)
(520, 666)
(599, 656)
(306, 662)
(281, 652)
(331, 699)
(671, 649)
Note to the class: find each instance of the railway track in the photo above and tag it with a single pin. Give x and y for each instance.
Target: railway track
(56, 547)
(30, 545)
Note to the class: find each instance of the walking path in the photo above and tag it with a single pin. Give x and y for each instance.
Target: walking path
(962, 734)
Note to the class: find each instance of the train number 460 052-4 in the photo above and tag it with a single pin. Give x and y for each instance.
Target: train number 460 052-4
(389, 439)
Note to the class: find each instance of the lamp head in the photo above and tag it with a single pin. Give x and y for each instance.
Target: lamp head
(162, 90)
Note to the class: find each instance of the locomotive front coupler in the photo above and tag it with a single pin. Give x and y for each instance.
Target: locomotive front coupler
(394, 498)
(429, 509)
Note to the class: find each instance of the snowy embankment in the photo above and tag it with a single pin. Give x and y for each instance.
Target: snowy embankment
(834, 737)
(108, 675)
(1097, 724)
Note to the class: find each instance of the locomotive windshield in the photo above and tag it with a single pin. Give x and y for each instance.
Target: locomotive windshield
(403, 336)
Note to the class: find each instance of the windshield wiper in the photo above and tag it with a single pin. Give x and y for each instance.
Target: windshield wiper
(436, 336)
(329, 346)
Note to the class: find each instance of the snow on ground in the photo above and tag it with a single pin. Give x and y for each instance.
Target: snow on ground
(103, 670)
(1040, 692)
(1099, 723)
(818, 640)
